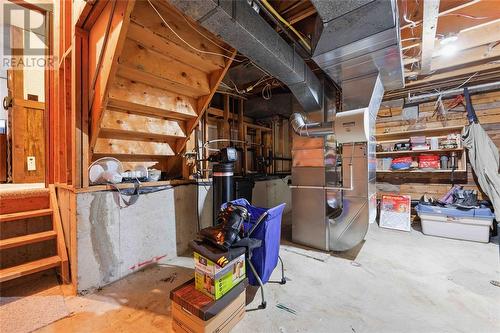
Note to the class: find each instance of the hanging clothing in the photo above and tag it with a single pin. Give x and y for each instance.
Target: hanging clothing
(484, 159)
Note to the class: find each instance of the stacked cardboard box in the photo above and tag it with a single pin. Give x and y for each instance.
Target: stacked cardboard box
(196, 312)
(214, 301)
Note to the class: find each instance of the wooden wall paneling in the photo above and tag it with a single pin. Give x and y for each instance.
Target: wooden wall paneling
(487, 106)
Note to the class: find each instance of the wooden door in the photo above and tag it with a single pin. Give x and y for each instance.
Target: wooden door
(26, 127)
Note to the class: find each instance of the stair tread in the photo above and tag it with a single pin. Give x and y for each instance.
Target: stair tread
(29, 268)
(25, 215)
(27, 239)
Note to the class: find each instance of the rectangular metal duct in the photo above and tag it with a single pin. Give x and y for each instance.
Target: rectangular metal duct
(358, 38)
(237, 23)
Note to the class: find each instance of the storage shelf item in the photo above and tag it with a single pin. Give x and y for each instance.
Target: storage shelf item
(388, 140)
(440, 131)
(420, 171)
(418, 152)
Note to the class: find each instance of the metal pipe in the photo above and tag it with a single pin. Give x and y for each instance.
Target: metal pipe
(301, 49)
(302, 127)
(478, 88)
(271, 9)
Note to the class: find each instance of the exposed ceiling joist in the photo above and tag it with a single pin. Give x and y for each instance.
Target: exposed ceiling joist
(482, 53)
(463, 71)
(444, 12)
(471, 38)
(429, 27)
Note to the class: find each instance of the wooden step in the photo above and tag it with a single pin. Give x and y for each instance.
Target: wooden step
(23, 200)
(117, 124)
(130, 147)
(25, 215)
(27, 239)
(29, 268)
(136, 97)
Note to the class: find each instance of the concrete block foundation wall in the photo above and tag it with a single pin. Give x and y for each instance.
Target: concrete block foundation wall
(114, 242)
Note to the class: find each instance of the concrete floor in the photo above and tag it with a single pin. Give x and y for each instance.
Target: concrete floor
(396, 282)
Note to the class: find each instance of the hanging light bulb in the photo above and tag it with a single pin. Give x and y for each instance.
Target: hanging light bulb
(448, 50)
(448, 46)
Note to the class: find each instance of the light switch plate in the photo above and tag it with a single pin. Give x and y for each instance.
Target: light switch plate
(31, 163)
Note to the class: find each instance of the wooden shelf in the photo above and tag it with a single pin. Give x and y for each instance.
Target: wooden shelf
(424, 131)
(418, 152)
(417, 171)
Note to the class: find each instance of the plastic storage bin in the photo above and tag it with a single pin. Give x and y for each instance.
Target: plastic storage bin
(472, 225)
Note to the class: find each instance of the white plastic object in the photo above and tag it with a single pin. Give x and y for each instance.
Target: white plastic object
(466, 228)
(352, 126)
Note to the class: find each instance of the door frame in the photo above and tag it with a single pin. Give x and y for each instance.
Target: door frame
(46, 9)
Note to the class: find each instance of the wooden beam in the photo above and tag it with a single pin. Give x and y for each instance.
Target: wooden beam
(431, 12)
(302, 15)
(225, 125)
(448, 11)
(242, 134)
(446, 75)
(472, 38)
(480, 53)
(220, 113)
(107, 71)
(258, 127)
(62, 251)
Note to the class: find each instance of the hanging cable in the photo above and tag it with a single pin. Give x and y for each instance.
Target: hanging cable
(191, 46)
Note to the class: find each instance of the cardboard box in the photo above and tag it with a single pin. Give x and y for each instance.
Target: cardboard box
(216, 281)
(195, 312)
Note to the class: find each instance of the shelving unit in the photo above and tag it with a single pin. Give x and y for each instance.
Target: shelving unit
(440, 133)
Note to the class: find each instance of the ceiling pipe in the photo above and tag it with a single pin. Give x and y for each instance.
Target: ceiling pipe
(301, 126)
(473, 89)
(240, 26)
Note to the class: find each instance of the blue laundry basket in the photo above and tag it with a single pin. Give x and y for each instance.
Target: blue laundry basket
(264, 258)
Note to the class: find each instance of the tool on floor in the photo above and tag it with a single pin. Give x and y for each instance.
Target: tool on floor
(286, 308)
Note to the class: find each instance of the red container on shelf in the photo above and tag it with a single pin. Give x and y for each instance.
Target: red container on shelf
(428, 161)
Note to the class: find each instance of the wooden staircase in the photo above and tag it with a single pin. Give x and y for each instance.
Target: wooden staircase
(31, 234)
(157, 88)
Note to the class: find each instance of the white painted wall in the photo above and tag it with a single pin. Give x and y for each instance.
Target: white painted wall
(114, 242)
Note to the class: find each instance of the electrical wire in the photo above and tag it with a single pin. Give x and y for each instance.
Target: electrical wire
(191, 46)
(472, 17)
(470, 77)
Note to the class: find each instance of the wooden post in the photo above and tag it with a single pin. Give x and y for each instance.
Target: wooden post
(225, 125)
(241, 137)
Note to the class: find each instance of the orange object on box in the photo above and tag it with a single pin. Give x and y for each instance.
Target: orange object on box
(428, 161)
